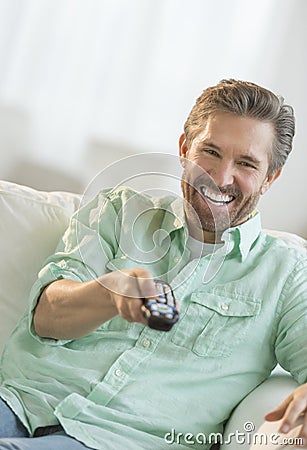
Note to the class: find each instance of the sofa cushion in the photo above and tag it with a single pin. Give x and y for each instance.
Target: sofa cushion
(291, 239)
(30, 226)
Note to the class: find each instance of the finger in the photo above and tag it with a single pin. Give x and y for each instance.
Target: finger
(130, 309)
(292, 414)
(279, 411)
(135, 310)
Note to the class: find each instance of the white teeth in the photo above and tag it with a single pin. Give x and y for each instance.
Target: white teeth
(216, 198)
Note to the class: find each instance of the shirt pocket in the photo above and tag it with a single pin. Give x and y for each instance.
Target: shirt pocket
(214, 324)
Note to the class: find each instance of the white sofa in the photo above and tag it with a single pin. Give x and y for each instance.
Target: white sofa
(31, 223)
(30, 226)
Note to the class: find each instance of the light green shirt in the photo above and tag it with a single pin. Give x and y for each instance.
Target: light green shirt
(242, 309)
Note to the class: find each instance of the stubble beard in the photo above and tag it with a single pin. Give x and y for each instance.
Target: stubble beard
(218, 219)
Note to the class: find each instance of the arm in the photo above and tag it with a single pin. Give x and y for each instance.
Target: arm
(69, 310)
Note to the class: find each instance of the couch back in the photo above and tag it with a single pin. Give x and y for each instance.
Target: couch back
(31, 224)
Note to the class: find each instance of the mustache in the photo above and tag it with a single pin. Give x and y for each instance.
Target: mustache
(205, 181)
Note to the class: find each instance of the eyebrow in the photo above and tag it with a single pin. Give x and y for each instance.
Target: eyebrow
(251, 159)
(245, 157)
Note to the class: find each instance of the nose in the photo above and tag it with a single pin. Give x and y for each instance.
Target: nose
(222, 174)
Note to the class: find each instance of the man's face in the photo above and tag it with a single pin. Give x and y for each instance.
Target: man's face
(225, 171)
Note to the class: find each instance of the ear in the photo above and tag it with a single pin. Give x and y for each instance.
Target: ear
(269, 180)
(183, 148)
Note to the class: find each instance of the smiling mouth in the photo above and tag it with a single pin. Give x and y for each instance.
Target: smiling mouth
(217, 199)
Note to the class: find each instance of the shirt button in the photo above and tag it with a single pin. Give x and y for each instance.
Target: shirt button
(177, 223)
(146, 343)
(118, 373)
(176, 259)
(224, 307)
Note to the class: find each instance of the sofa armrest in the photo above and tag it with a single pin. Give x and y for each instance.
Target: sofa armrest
(248, 416)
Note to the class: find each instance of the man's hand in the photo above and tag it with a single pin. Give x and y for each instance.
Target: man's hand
(127, 289)
(292, 411)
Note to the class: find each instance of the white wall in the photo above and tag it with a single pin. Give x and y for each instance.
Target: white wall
(84, 83)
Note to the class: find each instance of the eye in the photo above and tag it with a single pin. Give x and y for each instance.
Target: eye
(246, 164)
(211, 152)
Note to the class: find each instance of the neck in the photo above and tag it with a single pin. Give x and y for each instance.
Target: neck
(208, 237)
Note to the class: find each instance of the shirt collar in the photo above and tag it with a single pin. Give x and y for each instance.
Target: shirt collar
(243, 236)
(240, 237)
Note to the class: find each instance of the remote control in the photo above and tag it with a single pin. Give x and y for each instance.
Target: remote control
(161, 312)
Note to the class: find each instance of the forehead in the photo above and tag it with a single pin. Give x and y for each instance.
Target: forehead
(226, 129)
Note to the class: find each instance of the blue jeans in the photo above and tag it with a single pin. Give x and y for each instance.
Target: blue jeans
(14, 436)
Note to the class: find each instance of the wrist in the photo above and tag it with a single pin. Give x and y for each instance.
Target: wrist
(104, 297)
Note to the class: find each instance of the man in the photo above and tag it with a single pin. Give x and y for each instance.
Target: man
(83, 369)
